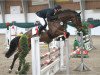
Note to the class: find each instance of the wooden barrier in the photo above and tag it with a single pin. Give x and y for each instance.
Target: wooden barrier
(52, 65)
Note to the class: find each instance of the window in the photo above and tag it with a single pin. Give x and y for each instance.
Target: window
(39, 2)
(15, 9)
(76, 0)
(61, 0)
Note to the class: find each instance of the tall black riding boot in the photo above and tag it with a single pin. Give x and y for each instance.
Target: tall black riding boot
(40, 29)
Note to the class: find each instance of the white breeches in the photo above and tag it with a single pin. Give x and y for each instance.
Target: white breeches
(37, 18)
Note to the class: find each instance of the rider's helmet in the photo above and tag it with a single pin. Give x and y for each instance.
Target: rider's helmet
(57, 7)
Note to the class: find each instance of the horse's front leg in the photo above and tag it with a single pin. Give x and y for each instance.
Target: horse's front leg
(14, 59)
(66, 34)
(63, 32)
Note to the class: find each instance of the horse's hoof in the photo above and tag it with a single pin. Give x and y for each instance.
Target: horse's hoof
(10, 70)
(17, 72)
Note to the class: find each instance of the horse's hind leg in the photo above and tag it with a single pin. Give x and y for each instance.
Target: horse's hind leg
(19, 68)
(12, 65)
(20, 64)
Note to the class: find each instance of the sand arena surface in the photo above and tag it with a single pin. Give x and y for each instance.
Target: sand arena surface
(6, 62)
(93, 62)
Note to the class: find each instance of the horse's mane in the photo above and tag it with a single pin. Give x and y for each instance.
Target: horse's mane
(65, 11)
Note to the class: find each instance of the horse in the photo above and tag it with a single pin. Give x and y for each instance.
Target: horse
(55, 29)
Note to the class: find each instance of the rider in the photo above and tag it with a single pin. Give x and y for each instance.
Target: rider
(49, 14)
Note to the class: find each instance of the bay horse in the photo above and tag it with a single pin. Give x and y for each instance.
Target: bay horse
(55, 29)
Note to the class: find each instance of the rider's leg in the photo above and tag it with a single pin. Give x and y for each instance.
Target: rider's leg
(43, 27)
(40, 25)
(40, 29)
(45, 24)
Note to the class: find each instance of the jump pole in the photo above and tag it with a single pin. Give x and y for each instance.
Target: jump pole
(82, 66)
(9, 35)
(36, 63)
(67, 56)
(64, 45)
(36, 67)
(61, 44)
(91, 42)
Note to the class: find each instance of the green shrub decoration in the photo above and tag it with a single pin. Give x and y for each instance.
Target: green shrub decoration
(25, 69)
(23, 43)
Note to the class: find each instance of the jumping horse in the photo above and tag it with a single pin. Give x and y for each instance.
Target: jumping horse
(55, 29)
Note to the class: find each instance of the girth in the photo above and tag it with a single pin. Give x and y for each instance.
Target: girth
(49, 34)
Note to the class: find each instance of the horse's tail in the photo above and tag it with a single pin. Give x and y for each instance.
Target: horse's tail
(13, 46)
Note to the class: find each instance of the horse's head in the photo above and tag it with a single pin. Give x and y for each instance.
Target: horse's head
(77, 21)
(70, 15)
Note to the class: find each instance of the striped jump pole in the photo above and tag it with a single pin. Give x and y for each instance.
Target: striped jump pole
(82, 66)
